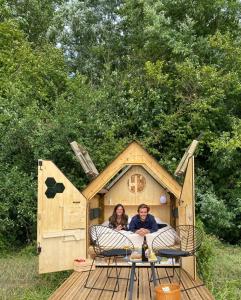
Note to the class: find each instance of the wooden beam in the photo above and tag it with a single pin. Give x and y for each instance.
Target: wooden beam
(118, 177)
(182, 166)
(84, 159)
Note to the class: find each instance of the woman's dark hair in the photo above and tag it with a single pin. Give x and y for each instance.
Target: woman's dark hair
(117, 206)
(143, 206)
(113, 217)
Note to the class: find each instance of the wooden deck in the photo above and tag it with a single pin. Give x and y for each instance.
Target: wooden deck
(73, 287)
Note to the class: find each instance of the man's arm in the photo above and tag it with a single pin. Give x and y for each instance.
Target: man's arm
(154, 226)
(132, 226)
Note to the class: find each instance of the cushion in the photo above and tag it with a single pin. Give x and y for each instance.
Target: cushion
(129, 219)
(106, 223)
(172, 252)
(116, 252)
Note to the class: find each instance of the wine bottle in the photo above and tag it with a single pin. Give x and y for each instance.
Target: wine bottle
(143, 250)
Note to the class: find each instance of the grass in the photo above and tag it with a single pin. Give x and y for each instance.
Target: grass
(19, 279)
(225, 280)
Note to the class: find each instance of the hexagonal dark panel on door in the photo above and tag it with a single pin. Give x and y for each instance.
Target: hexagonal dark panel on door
(50, 193)
(53, 187)
(50, 182)
(59, 187)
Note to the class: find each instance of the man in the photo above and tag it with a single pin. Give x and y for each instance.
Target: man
(143, 223)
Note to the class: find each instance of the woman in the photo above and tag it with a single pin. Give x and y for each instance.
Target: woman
(119, 219)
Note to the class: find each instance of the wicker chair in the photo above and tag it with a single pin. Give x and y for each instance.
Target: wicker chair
(175, 244)
(108, 243)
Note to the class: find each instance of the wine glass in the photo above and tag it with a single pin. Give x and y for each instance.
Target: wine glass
(126, 247)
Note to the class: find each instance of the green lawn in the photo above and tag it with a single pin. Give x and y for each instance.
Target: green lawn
(225, 282)
(19, 278)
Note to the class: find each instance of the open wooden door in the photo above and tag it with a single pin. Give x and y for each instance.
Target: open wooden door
(186, 212)
(61, 220)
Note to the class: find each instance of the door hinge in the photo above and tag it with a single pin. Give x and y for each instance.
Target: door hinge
(39, 249)
(40, 164)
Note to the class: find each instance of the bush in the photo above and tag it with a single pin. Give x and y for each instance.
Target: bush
(4, 245)
(214, 213)
(18, 210)
(205, 255)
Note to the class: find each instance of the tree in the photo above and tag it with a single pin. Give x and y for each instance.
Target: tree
(31, 81)
(34, 17)
(157, 71)
(89, 34)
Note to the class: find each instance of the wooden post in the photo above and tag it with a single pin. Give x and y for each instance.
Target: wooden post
(186, 211)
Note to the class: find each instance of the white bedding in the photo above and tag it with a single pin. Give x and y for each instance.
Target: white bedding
(137, 240)
(112, 239)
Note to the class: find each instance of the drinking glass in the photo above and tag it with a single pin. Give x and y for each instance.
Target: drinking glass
(126, 247)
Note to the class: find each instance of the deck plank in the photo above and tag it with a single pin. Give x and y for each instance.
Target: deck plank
(144, 284)
(79, 283)
(187, 283)
(174, 279)
(109, 284)
(66, 285)
(124, 283)
(82, 292)
(73, 287)
(102, 283)
(136, 286)
(203, 291)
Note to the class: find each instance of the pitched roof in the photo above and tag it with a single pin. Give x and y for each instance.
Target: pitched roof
(133, 154)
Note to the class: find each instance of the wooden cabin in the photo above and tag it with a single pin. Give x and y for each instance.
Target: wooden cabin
(132, 178)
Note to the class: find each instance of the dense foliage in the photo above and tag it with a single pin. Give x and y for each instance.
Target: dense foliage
(106, 72)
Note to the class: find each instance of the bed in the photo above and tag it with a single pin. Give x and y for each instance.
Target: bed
(106, 240)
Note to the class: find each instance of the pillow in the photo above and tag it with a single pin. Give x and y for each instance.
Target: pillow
(159, 221)
(129, 219)
(106, 223)
(168, 237)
